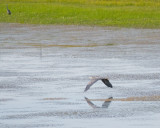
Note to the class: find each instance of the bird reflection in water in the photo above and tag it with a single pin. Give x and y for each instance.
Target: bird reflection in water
(104, 105)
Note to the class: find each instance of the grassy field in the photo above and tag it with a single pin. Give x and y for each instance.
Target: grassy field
(119, 13)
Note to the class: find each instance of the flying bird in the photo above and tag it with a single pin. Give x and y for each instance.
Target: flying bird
(8, 11)
(95, 79)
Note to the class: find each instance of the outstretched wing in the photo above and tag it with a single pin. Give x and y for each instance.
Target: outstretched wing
(107, 103)
(106, 82)
(90, 103)
(93, 80)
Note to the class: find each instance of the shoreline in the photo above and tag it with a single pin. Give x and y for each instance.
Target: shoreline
(76, 26)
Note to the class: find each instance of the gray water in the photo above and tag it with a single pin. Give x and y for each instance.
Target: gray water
(44, 71)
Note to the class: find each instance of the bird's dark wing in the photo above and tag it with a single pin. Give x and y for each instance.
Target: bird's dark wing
(90, 103)
(90, 84)
(106, 82)
(107, 103)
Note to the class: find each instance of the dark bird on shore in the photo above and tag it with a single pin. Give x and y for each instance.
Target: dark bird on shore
(95, 79)
(8, 11)
(104, 105)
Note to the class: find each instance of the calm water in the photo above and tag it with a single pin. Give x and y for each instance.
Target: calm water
(44, 71)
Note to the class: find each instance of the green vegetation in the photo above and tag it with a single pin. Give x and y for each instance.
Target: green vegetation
(120, 13)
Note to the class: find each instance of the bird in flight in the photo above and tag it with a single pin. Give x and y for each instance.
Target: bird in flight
(95, 79)
(8, 11)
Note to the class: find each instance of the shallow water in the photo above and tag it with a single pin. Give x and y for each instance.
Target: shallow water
(44, 71)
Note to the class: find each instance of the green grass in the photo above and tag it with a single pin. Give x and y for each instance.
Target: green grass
(119, 13)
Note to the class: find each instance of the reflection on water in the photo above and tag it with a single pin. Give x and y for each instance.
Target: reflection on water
(5, 99)
(44, 70)
(54, 98)
(142, 98)
(104, 105)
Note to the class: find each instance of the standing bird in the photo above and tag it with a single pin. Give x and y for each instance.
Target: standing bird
(95, 79)
(8, 11)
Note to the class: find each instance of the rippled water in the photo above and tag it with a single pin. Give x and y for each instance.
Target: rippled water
(44, 71)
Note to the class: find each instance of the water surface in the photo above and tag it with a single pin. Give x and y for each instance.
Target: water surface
(44, 71)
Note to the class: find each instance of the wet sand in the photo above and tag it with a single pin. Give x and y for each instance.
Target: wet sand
(44, 71)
